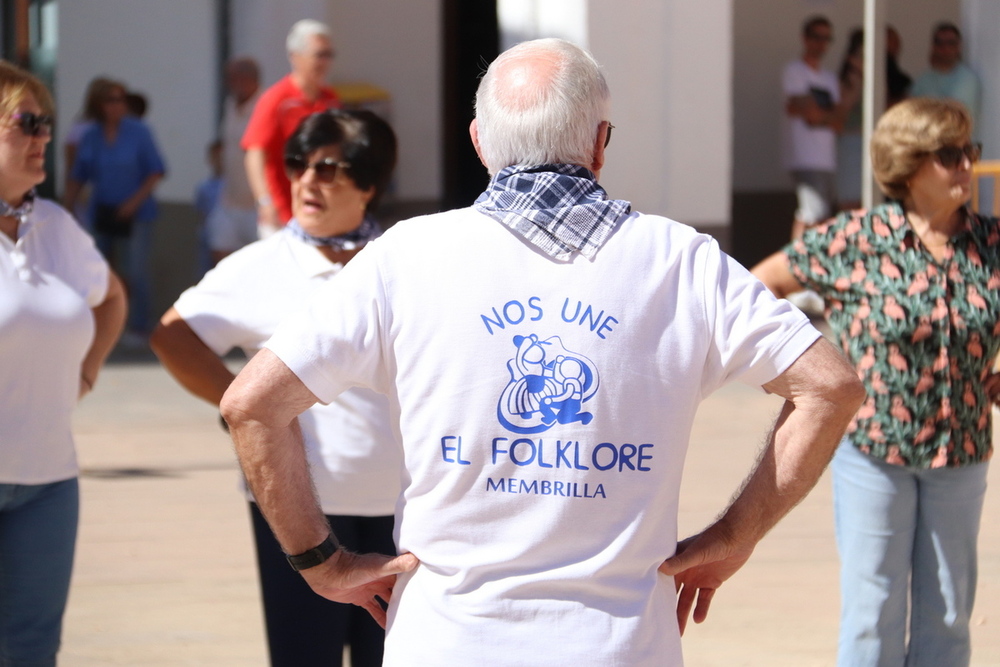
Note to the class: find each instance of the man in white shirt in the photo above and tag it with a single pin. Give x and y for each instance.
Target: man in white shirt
(544, 353)
(815, 114)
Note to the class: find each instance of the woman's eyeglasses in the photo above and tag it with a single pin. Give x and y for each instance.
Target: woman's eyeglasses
(950, 157)
(326, 169)
(33, 124)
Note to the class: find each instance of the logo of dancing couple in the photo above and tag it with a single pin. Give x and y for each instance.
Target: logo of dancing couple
(548, 385)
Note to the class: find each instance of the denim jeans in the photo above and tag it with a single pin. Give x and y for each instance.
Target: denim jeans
(37, 539)
(907, 542)
(131, 257)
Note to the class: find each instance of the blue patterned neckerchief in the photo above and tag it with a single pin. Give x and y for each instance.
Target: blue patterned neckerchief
(368, 231)
(21, 212)
(559, 208)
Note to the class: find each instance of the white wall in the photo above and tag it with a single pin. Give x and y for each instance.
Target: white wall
(669, 67)
(166, 50)
(394, 45)
(767, 34)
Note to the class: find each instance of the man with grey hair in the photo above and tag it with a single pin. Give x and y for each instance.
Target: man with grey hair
(544, 352)
(278, 112)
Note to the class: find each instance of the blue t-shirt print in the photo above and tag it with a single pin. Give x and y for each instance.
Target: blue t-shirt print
(548, 385)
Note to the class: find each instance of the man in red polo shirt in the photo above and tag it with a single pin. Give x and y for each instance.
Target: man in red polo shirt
(278, 112)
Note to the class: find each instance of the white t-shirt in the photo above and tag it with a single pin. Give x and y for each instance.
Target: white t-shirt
(49, 281)
(812, 148)
(545, 409)
(353, 454)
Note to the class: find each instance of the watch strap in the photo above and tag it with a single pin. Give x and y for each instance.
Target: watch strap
(315, 556)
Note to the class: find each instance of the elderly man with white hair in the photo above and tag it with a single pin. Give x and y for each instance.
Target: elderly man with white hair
(278, 112)
(544, 352)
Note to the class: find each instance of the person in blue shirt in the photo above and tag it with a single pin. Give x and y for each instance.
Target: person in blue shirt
(119, 159)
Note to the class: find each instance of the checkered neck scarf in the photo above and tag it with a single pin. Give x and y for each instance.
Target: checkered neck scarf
(20, 212)
(559, 208)
(368, 231)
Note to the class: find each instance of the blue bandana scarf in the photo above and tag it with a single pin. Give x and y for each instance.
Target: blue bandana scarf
(559, 208)
(368, 231)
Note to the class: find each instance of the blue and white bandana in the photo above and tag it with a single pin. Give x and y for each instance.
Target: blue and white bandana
(357, 238)
(558, 208)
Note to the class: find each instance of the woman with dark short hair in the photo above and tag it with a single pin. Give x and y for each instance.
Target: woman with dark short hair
(339, 164)
(911, 293)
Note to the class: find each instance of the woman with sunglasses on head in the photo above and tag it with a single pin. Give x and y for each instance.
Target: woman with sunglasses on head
(339, 163)
(911, 293)
(61, 311)
(119, 158)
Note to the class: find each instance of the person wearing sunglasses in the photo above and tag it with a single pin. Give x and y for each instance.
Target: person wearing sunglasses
(911, 293)
(61, 311)
(119, 158)
(339, 164)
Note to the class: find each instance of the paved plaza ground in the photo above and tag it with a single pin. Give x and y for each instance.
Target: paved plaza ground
(165, 570)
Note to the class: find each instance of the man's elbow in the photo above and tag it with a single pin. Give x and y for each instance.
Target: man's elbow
(236, 407)
(846, 391)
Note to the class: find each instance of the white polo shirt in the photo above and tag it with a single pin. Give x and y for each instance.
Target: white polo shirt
(545, 409)
(353, 454)
(49, 281)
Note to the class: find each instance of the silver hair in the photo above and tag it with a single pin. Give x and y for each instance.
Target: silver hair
(553, 120)
(298, 36)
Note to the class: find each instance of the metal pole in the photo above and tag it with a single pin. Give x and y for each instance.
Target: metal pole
(873, 100)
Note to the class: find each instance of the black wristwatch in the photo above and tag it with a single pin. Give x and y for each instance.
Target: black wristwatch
(315, 556)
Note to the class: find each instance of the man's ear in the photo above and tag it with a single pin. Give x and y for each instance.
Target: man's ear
(474, 133)
(598, 159)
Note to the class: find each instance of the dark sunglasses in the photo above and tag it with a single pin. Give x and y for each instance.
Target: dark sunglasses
(950, 157)
(607, 137)
(33, 124)
(326, 169)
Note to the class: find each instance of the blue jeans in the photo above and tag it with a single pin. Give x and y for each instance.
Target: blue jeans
(130, 257)
(37, 539)
(907, 542)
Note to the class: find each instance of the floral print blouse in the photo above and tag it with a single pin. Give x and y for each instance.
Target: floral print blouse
(922, 334)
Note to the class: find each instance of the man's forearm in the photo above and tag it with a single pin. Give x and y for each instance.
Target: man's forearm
(261, 407)
(803, 440)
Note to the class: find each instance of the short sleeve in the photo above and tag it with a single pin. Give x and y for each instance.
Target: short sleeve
(149, 155)
(215, 310)
(792, 81)
(755, 336)
(337, 341)
(823, 256)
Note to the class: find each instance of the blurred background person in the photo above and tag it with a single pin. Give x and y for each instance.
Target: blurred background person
(849, 151)
(278, 113)
(339, 164)
(207, 200)
(949, 77)
(911, 293)
(84, 121)
(61, 311)
(120, 160)
(233, 224)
